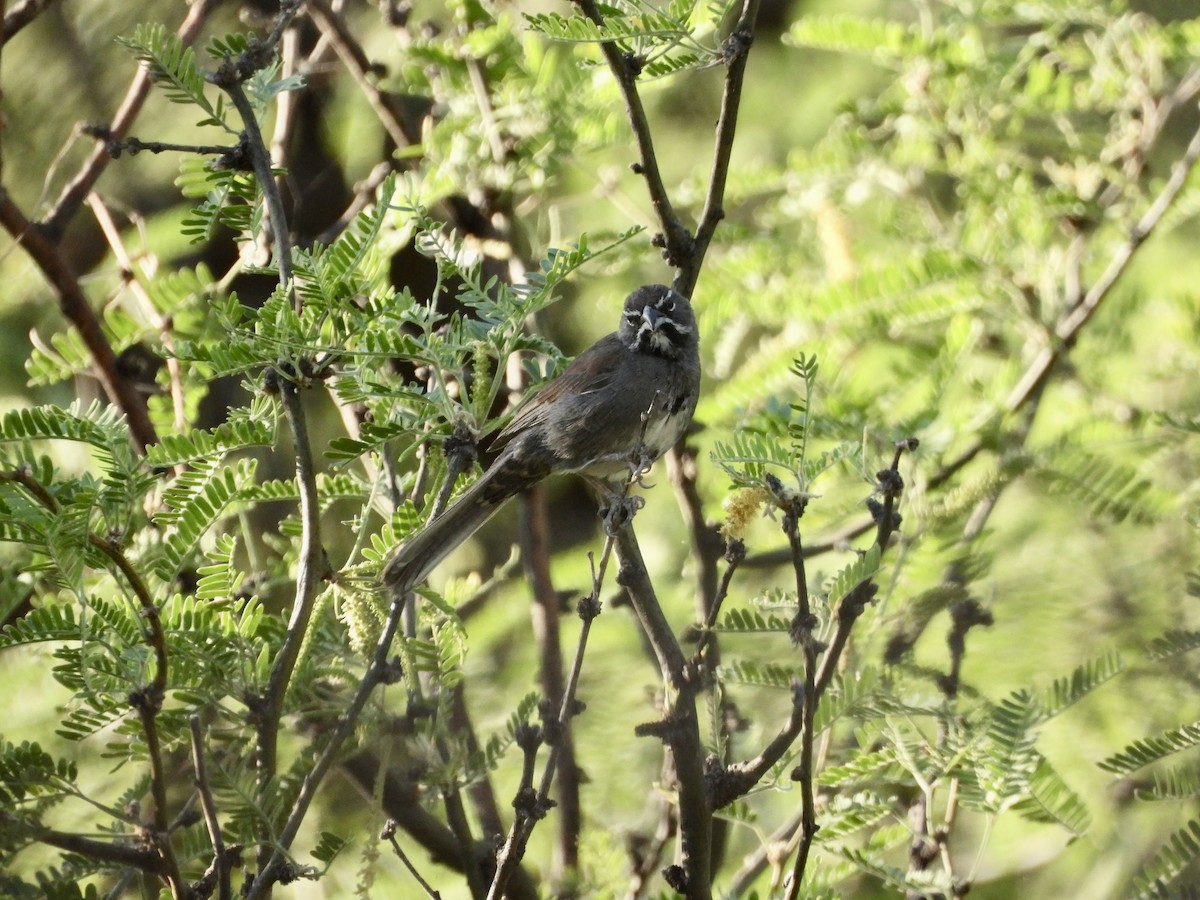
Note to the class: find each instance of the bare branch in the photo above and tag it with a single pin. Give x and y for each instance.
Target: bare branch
(389, 835)
(135, 857)
(736, 51)
(208, 806)
(676, 238)
(20, 16)
(73, 195)
(78, 310)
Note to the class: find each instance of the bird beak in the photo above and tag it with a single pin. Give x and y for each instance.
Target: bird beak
(650, 315)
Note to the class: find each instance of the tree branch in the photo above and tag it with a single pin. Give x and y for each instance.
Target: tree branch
(534, 532)
(20, 16)
(677, 241)
(133, 856)
(209, 808)
(76, 191)
(736, 51)
(680, 729)
(1066, 332)
(78, 311)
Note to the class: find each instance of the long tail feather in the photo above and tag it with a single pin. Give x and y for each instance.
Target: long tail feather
(418, 556)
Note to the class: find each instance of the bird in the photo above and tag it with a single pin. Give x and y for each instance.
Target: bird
(587, 420)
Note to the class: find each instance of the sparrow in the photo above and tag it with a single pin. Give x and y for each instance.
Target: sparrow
(587, 420)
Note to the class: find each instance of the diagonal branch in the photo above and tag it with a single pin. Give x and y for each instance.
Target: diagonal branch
(1068, 329)
(1066, 332)
(20, 16)
(736, 51)
(75, 306)
(73, 195)
(676, 239)
(681, 729)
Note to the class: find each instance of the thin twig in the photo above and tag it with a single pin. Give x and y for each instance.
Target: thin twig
(531, 806)
(361, 69)
(379, 671)
(209, 808)
(75, 306)
(402, 800)
(817, 680)
(76, 191)
(389, 835)
(311, 571)
(113, 235)
(736, 51)
(135, 145)
(676, 239)
(806, 701)
(20, 16)
(265, 175)
(735, 553)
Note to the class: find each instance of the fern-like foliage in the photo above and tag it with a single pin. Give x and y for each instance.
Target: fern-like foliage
(1173, 643)
(1177, 856)
(781, 445)
(173, 68)
(247, 426)
(27, 771)
(668, 38)
(1146, 751)
(1089, 676)
(1108, 489)
(880, 39)
(1180, 782)
(194, 502)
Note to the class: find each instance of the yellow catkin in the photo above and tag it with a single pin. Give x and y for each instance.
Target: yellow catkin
(741, 507)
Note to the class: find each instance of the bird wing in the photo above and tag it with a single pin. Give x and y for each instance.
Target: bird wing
(592, 371)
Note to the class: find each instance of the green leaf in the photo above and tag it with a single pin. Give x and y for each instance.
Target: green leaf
(329, 845)
(1173, 643)
(864, 568)
(845, 815)
(195, 501)
(1051, 801)
(53, 622)
(1141, 753)
(854, 34)
(1179, 853)
(172, 67)
(1180, 782)
(26, 770)
(755, 674)
(1086, 678)
(925, 883)
(249, 426)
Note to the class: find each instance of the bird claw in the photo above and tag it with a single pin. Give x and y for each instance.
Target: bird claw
(618, 514)
(640, 463)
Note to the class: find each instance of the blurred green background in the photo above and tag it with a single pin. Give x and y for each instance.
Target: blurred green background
(1067, 574)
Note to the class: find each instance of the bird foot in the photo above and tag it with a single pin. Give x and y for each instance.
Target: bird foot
(619, 512)
(640, 463)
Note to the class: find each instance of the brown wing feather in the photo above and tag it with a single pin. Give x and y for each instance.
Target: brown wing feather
(586, 373)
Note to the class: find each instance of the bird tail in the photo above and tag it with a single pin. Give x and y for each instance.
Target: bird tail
(418, 556)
